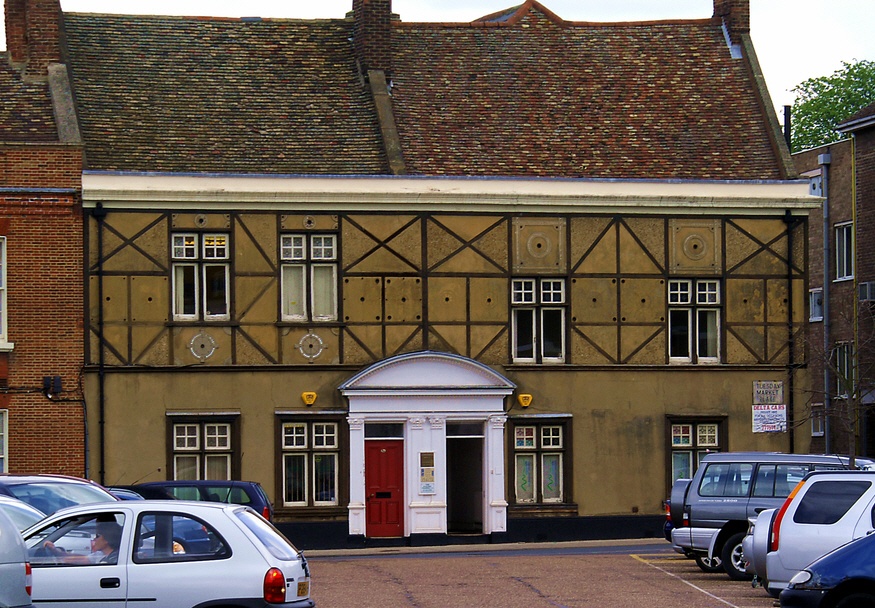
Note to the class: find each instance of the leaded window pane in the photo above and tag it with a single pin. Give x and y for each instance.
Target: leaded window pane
(551, 477)
(524, 437)
(293, 247)
(294, 435)
(524, 478)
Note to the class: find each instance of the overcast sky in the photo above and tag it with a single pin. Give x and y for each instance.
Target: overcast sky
(794, 39)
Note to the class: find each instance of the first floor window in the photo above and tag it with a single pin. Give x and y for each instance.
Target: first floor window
(310, 459)
(844, 247)
(201, 277)
(4, 430)
(4, 335)
(690, 441)
(843, 364)
(538, 320)
(539, 459)
(694, 321)
(309, 277)
(203, 449)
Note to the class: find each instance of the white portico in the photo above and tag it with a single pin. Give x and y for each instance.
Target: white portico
(426, 437)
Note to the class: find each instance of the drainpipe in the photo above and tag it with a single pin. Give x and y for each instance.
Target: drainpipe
(99, 214)
(791, 358)
(824, 161)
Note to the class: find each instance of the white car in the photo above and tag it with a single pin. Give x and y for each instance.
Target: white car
(22, 514)
(826, 510)
(164, 553)
(14, 569)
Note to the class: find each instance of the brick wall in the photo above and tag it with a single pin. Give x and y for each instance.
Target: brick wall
(45, 301)
(33, 35)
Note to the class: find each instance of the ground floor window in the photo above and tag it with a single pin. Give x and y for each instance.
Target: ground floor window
(540, 458)
(204, 448)
(689, 440)
(310, 455)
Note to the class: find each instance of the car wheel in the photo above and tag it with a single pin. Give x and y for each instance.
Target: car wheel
(733, 560)
(856, 600)
(709, 564)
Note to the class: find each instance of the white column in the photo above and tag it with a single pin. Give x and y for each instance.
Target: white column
(356, 476)
(496, 503)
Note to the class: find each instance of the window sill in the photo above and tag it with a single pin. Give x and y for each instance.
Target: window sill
(6, 347)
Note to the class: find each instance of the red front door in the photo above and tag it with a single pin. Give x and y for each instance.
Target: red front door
(384, 487)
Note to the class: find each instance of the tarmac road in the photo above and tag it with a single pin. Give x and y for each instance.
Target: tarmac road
(615, 574)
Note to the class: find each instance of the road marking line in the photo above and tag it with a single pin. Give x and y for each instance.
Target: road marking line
(697, 588)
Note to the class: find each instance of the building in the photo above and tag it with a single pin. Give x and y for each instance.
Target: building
(842, 269)
(428, 279)
(42, 422)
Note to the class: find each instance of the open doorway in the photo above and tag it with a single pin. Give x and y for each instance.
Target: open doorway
(465, 478)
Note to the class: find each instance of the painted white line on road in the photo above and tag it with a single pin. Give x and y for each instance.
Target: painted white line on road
(696, 587)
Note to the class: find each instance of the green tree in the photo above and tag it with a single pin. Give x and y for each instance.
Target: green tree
(822, 103)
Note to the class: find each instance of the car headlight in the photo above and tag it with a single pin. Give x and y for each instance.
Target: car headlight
(801, 579)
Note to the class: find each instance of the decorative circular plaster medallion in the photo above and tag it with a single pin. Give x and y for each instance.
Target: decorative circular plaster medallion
(200, 220)
(309, 222)
(311, 346)
(695, 247)
(539, 245)
(202, 346)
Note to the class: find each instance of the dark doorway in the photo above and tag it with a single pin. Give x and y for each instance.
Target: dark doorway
(464, 485)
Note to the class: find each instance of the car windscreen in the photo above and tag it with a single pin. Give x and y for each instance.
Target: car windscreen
(49, 496)
(278, 545)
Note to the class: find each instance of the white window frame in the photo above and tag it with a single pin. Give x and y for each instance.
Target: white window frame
(693, 298)
(203, 442)
(307, 255)
(308, 441)
(845, 374)
(817, 420)
(844, 251)
(538, 298)
(692, 439)
(196, 253)
(4, 441)
(815, 304)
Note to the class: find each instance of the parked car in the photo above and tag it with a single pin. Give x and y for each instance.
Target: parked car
(131, 493)
(48, 493)
(843, 578)
(15, 571)
(22, 514)
(238, 560)
(249, 493)
(825, 511)
(710, 512)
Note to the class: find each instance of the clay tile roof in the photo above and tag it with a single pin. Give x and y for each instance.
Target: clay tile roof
(26, 113)
(522, 92)
(221, 95)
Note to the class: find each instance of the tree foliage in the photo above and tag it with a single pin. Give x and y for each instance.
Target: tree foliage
(822, 103)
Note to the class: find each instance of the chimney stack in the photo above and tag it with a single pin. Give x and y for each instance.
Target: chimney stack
(33, 36)
(372, 34)
(735, 15)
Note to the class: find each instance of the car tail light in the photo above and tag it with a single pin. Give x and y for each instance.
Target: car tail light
(274, 586)
(265, 513)
(28, 578)
(776, 524)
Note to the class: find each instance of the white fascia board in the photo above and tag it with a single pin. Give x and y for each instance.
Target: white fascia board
(411, 194)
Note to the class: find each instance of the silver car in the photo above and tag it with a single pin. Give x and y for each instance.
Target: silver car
(827, 510)
(14, 569)
(22, 514)
(164, 553)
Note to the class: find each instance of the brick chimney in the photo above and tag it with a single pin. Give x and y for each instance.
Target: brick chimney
(372, 34)
(735, 15)
(33, 35)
